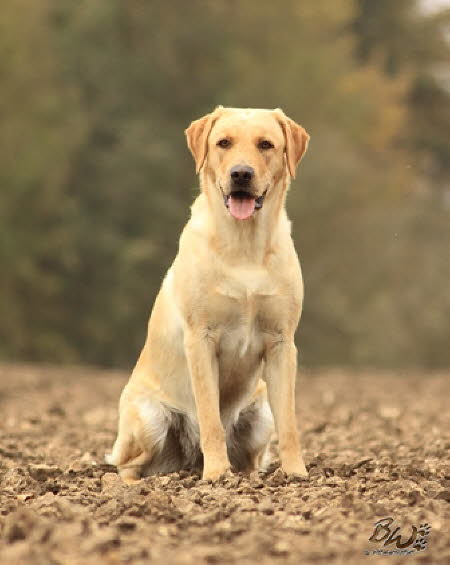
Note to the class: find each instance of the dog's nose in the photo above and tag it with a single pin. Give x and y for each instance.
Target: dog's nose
(241, 175)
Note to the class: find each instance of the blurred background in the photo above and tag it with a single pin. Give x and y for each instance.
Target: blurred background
(96, 180)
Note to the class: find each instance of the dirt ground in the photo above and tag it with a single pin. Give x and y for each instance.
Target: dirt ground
(374, 444)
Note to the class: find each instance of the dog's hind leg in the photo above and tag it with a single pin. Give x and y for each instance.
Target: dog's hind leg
(249, 438)
(143, 426)
(131, 471)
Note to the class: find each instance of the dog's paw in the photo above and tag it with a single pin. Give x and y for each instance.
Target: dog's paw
(130, 475)
(420, 544)
(296, 469)
(215, 474)
(424, 529)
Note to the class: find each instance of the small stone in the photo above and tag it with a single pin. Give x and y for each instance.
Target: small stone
(255, 480)
(46, 499)
(104, 540)
(56, 410)
(112, 482)
(184, 506)
(126, 524)
(107, 510)
(19, 525)
(42, 472)
(443, 495)
(389, 411)
(25, 496)
(205, 518)
(189, 482)
(281, 548)
(87, 458)
(278, 477)
(266, 506)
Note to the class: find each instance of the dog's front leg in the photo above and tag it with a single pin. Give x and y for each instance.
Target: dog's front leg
(280, 375)
(203, 367)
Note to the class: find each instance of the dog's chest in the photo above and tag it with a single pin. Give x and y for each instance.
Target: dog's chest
(244, 284)
(245, 307)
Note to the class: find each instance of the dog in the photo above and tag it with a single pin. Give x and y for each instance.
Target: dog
(219, 365)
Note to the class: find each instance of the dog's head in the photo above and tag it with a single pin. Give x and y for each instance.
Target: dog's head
(245, 154)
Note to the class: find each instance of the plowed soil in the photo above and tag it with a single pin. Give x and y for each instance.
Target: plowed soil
(376, 445)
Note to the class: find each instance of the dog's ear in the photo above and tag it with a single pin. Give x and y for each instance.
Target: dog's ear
(296, 141)
(197, 137)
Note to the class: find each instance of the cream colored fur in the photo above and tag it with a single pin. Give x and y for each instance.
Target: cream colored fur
(220, 344)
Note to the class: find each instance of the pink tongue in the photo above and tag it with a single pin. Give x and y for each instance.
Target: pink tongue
(241, 208)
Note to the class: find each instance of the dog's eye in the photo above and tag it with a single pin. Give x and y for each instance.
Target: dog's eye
(265, 144)
(224, 143)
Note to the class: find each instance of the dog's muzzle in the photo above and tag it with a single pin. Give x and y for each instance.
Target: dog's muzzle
(243, 204)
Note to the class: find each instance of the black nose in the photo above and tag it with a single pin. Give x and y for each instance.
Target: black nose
(241, 175)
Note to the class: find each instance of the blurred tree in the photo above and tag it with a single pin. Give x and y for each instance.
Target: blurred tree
(406, 40)
(403, 40)
(37, 112)
(96, 180)
(301, 58)
(143, 75)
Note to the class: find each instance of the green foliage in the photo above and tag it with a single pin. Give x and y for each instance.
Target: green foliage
(406, 41)
(96, 180)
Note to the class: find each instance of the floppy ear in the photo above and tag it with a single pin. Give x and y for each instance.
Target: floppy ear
(197, 137)
(296, 141)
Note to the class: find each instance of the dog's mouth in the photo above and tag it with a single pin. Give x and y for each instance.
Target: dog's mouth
(243, 204)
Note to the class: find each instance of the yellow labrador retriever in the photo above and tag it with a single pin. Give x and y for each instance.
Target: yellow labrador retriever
(220, 358)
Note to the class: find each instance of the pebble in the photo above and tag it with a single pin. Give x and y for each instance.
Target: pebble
(42, 472)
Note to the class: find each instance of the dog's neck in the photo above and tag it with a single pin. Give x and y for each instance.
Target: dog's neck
(237, 241)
